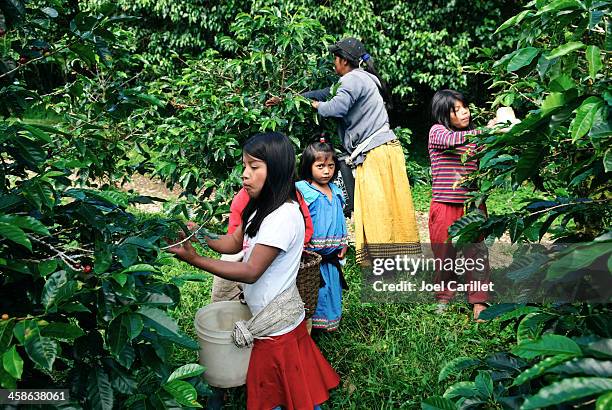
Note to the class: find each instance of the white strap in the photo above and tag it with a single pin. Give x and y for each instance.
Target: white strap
(364, 144)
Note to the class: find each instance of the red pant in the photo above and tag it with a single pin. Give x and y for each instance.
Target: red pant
(441, 216)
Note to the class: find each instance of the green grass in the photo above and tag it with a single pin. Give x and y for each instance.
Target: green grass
(500, 201)
(421, 195)
(388, 355)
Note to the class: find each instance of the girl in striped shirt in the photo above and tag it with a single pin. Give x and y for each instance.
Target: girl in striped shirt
(448, 142)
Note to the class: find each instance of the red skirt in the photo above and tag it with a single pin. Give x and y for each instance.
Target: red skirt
(288, 371)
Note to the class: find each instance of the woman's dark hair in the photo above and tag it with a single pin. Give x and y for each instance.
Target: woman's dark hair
(443, 103)
(310, 154)
(276, 151)
(368, 65)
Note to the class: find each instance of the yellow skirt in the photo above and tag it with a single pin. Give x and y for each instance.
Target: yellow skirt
(385, 222)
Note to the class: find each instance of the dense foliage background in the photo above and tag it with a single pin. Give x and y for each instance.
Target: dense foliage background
(93, 93)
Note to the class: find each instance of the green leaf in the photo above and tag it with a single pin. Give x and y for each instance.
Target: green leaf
(604, 402)
(117, 336)
(39, 193)
(194, 277)
(133, 324)
(123, 383)
(14, 234)
(608, 160)
(126, 356)
(127, 254)
(142, 267)
(484, 384)
(59, 330)
(522, 58)
(112, 197)
(6, 332)
(49, 11)
(562, 83)
(120, 277)
(151, 100)
(504, 361)
(29, 152)
(552, 101)
(186, 371)
(438, 403)
(585, 115)
(128, 404)
(455, 366)
(9, 201)
(73, 307)
(183, 392)
(57, 289)
(539, 369)
(461, 389)
(37, 132)
(579, 258)
(166, 327)
(12, 362)
(26, 223)
(520, 311)
(601, 348)
(527, 165)
(157, 299)
(99, 391)
(103, 259)
(547, 345)
(468, 223)
(531, 326)
(585, 366)
(558, 5)
(498, 309)
(593, 55)
(565, 49)
(42, 350)
(6, 380)
(512, 21)
(567, 390)
(543, 65)
(47, 267)
(160, 319)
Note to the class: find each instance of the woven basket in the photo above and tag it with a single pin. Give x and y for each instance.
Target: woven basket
(309, 280)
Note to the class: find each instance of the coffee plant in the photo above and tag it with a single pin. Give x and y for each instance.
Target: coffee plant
(83, 303)
(217, 102)
(559, 79)
(563, 357)
(419, 48)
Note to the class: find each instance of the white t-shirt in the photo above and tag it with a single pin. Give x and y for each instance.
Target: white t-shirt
(283, 229)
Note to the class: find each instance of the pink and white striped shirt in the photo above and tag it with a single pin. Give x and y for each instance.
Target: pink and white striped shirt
(445, 150)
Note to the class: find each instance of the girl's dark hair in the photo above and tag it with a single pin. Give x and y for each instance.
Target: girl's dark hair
(368, 65)
(443, 103)
(310, 154)
(276, 151)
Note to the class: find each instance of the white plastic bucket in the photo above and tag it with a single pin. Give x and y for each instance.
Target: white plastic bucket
(226, 365)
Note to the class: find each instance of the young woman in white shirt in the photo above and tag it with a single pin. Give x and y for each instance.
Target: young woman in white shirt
(286, 370)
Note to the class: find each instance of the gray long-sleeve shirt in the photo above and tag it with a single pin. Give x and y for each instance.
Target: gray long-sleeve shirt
(360, 110)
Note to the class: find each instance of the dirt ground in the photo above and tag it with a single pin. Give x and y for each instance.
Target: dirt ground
(154, 187)
(144, 185)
